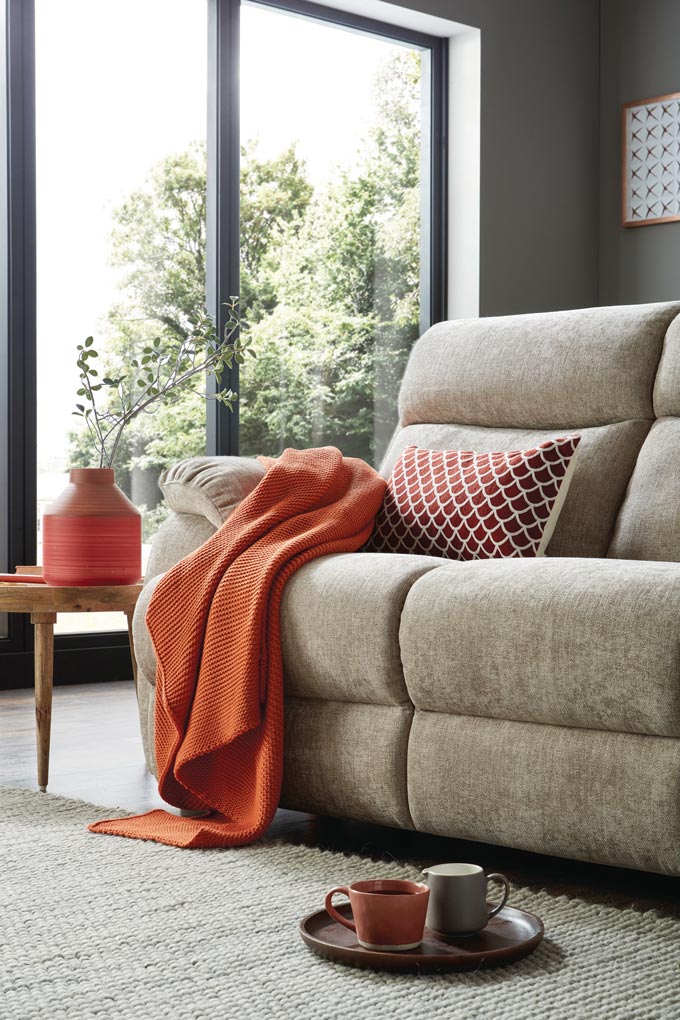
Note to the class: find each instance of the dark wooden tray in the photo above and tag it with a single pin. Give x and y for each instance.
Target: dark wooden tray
(509, 936)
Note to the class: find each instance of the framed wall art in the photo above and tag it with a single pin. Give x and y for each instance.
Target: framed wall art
(651, 161)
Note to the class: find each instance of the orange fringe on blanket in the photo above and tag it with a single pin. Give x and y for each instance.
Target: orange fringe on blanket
(214, 623)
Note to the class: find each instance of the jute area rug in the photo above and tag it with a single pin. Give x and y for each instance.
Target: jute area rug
(98, 926)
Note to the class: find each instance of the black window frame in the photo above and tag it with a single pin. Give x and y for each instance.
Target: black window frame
(105, 656)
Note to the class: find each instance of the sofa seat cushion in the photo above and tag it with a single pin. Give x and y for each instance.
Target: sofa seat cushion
(340, 626)
(569, 642)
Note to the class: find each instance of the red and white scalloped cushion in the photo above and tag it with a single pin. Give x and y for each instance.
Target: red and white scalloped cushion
(466, 506)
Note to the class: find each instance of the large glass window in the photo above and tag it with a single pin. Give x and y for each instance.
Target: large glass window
(331, 231)
(121, 113)
(277, 149)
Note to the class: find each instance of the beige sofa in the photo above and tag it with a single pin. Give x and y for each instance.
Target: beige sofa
(531, 703)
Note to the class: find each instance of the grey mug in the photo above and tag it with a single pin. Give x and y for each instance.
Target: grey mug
(458, 898)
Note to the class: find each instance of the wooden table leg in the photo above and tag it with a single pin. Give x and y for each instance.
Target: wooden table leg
(129, 615)
(43, 626)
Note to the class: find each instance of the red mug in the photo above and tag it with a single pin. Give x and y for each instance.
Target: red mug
(389, 913)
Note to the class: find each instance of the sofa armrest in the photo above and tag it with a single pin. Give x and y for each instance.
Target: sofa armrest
(177, 536)
(201, 492)
(210, 487)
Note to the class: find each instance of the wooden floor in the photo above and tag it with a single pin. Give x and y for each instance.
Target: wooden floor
(97, 756)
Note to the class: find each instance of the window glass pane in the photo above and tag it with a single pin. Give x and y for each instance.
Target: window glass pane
(121, 98)
(330, 232)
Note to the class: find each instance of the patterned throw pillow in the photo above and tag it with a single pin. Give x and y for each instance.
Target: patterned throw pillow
(465, 506)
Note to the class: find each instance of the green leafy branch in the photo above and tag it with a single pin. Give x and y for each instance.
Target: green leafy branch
(166, 369)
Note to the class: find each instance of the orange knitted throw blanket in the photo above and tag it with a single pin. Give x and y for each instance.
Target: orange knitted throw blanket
(214, 623)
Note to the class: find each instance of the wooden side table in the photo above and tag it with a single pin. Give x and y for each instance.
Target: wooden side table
(43, 602)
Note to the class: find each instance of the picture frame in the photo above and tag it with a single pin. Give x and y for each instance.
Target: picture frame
(650, 157)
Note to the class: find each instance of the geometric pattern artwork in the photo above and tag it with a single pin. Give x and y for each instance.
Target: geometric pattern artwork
(464, 505)
(651, 161)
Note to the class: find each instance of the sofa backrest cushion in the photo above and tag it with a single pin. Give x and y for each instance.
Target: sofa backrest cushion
(508, 383)
(667, 382)
(466, 505)
(605, 460)
(648, 527)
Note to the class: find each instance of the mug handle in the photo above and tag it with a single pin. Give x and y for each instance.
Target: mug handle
(330, 909)
(503, 880)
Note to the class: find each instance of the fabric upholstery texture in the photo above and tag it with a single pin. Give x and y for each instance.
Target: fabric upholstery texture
(464, 505)
(210, 486)
(146, 695)
(144, 653)
(648, 526)
(588, 794)
(347, 760)
(667, 383)
(340, 627)
(146, 704)
(591, 366)
(602, 467)
(177, 536)
(571, 642)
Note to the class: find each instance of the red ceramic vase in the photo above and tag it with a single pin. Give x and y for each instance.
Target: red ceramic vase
(92, 533)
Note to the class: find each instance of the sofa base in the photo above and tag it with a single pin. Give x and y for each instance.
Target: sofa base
(609, 798)
(340, 758)
(591, 795)
(347, 760)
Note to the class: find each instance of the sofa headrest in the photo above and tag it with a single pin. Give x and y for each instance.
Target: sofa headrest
(573, 369)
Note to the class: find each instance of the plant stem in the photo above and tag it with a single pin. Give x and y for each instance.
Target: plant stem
(181, 363)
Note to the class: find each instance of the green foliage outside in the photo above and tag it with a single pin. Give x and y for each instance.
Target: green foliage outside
(329, 285)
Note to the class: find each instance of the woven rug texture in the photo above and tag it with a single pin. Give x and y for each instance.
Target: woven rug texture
(128, 930)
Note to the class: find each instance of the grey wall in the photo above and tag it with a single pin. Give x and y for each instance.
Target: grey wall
(640, 59)
(539, 150)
